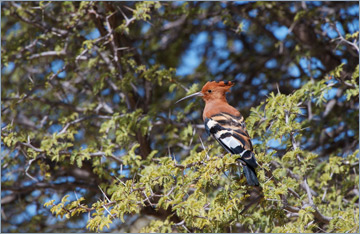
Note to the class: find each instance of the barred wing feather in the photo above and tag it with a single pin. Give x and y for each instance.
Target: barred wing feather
(230, 132)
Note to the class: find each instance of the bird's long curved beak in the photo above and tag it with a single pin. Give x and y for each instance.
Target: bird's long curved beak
(189, 96)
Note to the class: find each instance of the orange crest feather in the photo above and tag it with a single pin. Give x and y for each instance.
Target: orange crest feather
(223, 85)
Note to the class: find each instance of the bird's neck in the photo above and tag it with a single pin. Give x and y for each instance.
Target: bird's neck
(213, 107)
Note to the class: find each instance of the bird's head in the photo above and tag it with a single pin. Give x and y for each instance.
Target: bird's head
(212, 90)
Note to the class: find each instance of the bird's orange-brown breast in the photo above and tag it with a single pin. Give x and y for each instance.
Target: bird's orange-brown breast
(213, 107)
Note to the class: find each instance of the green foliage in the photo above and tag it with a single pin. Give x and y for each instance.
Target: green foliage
(97, 117)
(354, 83)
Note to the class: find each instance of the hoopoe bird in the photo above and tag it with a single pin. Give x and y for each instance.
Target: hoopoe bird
(227, 126)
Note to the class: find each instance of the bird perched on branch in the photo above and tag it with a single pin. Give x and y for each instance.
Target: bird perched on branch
(227, 125)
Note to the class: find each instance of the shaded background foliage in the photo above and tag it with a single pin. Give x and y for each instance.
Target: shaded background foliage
(88, 115)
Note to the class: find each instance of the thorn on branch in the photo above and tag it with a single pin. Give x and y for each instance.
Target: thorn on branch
(104, 194)
(206, 152)
(108, 211)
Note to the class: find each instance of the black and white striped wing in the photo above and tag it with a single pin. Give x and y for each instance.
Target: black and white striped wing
(230, 132)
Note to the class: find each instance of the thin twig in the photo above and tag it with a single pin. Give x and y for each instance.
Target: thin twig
(27, 169)
(308, 193)
(342, 39)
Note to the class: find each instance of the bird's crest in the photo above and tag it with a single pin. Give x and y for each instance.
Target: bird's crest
(224, 85)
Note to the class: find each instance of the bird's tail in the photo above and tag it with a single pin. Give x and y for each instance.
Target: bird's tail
(250, 175)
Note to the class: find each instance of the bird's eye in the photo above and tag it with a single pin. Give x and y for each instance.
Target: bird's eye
(209, 91)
